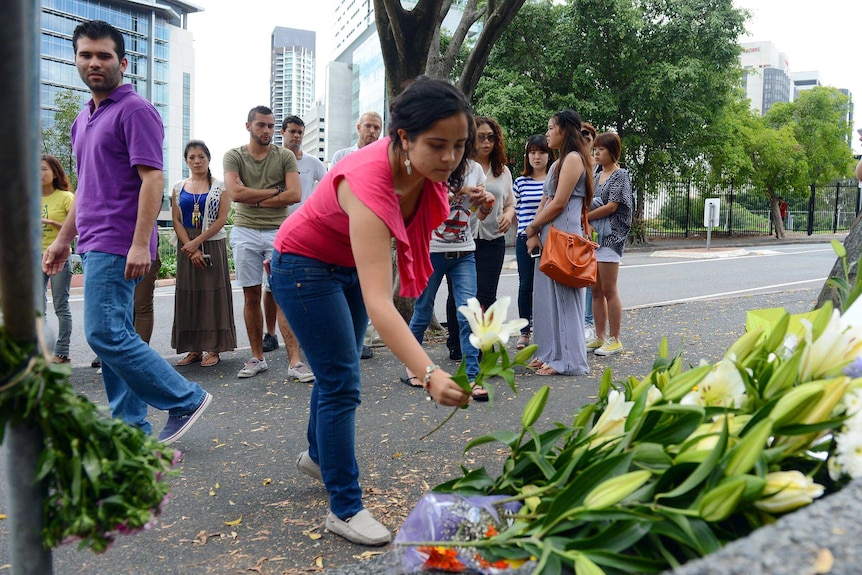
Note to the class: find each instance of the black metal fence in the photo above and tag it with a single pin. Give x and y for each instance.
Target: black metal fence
(674, 208)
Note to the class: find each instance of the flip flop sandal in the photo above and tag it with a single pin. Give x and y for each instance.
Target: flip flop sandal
(480, 394)
(210, 359)
(547, 370)
(189, 359)
(536, 363)
(523, 342)
(408, 381)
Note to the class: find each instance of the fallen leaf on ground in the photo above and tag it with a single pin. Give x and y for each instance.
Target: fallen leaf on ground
(234, 522)
(824, 561)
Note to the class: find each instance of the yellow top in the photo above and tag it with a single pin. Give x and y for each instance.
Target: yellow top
(55, 207)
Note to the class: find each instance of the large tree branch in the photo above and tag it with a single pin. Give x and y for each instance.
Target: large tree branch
(469, 17)
(500, 14)
(434, 63)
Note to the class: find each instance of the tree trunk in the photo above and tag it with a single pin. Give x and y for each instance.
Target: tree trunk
(410, 40)
(853, 245)
(405, 37)
(777, 221)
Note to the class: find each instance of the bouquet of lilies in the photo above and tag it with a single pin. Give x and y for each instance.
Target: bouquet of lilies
(670, 467)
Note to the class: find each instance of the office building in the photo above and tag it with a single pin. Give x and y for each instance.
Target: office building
(160, 54)
(291, 81)
(767, 75)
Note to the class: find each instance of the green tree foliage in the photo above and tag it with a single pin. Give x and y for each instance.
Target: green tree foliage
(818, 118)
(658, 72)
(57, 140)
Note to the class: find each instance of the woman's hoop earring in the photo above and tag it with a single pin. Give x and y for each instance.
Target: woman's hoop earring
(408, 167)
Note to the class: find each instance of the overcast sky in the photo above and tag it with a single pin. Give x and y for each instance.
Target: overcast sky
(232, 53)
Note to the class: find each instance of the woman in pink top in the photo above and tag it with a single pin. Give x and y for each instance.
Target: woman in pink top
(331, 263)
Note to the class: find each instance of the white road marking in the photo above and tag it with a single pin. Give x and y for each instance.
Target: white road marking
(727, 293)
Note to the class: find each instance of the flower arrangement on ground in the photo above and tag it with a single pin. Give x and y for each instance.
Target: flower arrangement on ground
(670, 467)
(103, 477)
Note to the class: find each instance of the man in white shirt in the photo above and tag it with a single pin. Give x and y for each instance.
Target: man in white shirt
(311, 171)
(368, 129)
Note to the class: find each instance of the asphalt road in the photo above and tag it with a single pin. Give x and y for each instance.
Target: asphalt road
(672, 274)
(239, 459)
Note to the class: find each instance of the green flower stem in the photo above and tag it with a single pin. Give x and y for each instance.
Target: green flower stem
(442, 423)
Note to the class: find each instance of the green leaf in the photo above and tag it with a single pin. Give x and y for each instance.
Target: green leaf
(508, 437)
(651, 456)
(681, 384)
(703, 470)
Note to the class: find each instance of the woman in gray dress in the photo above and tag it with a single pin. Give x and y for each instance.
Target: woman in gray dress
(558, 310)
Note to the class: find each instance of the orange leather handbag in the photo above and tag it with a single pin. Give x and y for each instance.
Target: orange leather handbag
(569, 259)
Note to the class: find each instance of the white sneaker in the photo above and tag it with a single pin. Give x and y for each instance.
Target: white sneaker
(589, 332)
(253, 367)
(306, 464)
(362, 528)
(300, 372)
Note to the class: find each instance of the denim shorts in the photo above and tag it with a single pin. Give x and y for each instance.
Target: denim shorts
(250, 248)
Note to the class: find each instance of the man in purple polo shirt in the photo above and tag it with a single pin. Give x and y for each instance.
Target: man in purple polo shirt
(117, 140)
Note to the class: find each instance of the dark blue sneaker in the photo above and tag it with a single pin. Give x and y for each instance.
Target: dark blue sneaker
(178, 425)
(270, 342)
(367, 353)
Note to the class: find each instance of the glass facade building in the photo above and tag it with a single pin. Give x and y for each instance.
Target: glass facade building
(159, 51)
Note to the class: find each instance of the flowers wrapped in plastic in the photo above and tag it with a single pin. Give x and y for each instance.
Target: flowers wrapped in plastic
(457, 520)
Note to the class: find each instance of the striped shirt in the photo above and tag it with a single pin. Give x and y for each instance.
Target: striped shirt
(528, 195)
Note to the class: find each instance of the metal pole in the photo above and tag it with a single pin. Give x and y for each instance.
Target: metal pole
(811, 201)
(835, 209)
(20, 278)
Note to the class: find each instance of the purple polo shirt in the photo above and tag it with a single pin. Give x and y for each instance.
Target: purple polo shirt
(124, 132)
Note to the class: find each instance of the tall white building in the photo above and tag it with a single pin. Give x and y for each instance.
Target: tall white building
(767, 75)
(161, 62)
(291, 81)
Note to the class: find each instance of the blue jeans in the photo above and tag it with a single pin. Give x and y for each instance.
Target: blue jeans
(134, 374)
(323, 304)
(588, 309)
(526, 272)
(60, 283)
(462, 272)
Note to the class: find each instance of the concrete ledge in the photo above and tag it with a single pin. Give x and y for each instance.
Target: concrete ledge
(820, 538)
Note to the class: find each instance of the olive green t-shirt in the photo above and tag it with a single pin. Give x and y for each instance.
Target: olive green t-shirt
(267, 173)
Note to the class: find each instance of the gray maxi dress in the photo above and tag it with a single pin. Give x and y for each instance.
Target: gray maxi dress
(558, 310)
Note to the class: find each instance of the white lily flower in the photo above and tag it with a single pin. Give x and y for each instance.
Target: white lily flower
(488, 326)
(612, 422)
(788, 490)
(722, 387)
(837, 346)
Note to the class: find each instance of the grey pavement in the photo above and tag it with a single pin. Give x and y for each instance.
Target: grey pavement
(239, 504)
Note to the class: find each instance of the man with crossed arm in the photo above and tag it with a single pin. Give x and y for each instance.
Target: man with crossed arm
(262, 179)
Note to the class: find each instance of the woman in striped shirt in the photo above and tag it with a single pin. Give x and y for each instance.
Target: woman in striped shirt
(528, 195)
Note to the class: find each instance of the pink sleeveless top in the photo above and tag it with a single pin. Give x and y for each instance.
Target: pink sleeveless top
(321, 230)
